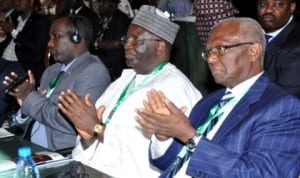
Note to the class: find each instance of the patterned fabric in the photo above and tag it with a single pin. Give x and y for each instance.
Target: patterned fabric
(224, 100)
(210, 12)
(156, 22)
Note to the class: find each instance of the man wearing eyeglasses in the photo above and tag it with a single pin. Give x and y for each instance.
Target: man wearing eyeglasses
(250, 129)
(282, 58)
(111, 140)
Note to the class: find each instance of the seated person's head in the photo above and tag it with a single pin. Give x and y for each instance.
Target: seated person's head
(235, 50)
(273, 15)
(70, 36)
(149, 39)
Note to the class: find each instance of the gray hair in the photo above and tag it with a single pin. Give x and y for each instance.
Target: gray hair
(251, 31)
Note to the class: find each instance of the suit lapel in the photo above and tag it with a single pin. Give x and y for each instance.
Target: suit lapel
(276, 44)
(205, 106)
(243, 107)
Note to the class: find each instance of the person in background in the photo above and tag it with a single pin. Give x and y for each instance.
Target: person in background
(9, 14)
(78, 7)
(282, 58)
(177, 8)
(112, 26)
(110, 138)
(250, 129)
(28, 44)
(75, 68)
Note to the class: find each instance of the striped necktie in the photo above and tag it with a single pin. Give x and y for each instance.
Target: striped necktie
(224, 100)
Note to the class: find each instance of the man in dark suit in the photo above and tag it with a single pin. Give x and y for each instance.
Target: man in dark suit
(282, 58)
(256, 134)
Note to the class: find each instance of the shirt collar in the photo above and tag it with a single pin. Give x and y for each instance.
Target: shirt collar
(241, 89)
(20, 19)
(65, 68)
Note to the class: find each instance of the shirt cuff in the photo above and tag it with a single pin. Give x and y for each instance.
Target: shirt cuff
(158, 148)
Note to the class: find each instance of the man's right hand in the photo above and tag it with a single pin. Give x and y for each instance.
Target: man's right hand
(81, 112)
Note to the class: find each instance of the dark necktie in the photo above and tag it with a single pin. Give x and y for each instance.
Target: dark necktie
(180, 160)
(31, 121)
(268, 37)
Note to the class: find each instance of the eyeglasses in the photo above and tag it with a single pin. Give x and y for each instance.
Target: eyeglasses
(135, 41)
(220, 50)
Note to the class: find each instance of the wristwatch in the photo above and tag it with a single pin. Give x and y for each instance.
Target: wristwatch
(192, 142)
(98, 128)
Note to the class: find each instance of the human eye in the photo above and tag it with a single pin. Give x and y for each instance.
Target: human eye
(221, 49)
(262, 3)
(278, 4)
(56, 36)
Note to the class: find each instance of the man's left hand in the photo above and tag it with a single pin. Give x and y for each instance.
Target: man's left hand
(22, 90)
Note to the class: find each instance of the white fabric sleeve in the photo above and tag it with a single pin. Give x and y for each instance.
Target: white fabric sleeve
(84, 155)
(20, 120)
(158, 148)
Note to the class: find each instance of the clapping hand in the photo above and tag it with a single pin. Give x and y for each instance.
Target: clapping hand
(81, 112)
(162, 117)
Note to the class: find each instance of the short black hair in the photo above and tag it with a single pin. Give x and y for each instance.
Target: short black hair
(82, 26)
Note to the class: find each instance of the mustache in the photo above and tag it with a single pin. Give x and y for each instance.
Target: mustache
(268, 15)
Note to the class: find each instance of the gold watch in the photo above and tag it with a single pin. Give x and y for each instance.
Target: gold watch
(98, 128)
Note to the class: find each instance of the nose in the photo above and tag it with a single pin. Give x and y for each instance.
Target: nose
(269, 7)
(127, 44)
(50, 42)
(212, 58)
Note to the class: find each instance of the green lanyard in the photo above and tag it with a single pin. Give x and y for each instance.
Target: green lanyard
(214, 112)
(53, 83)
(129, 90)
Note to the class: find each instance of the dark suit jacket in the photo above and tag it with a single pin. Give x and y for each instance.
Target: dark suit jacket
(282, 59)
(259, 138)
(14, 16)
(31, 44)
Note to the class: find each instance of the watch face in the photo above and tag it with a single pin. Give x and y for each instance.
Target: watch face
(191, 144)
(98, 128)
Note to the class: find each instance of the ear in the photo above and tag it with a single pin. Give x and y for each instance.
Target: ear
(292, 7)
(255, 51)
(160, 47)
